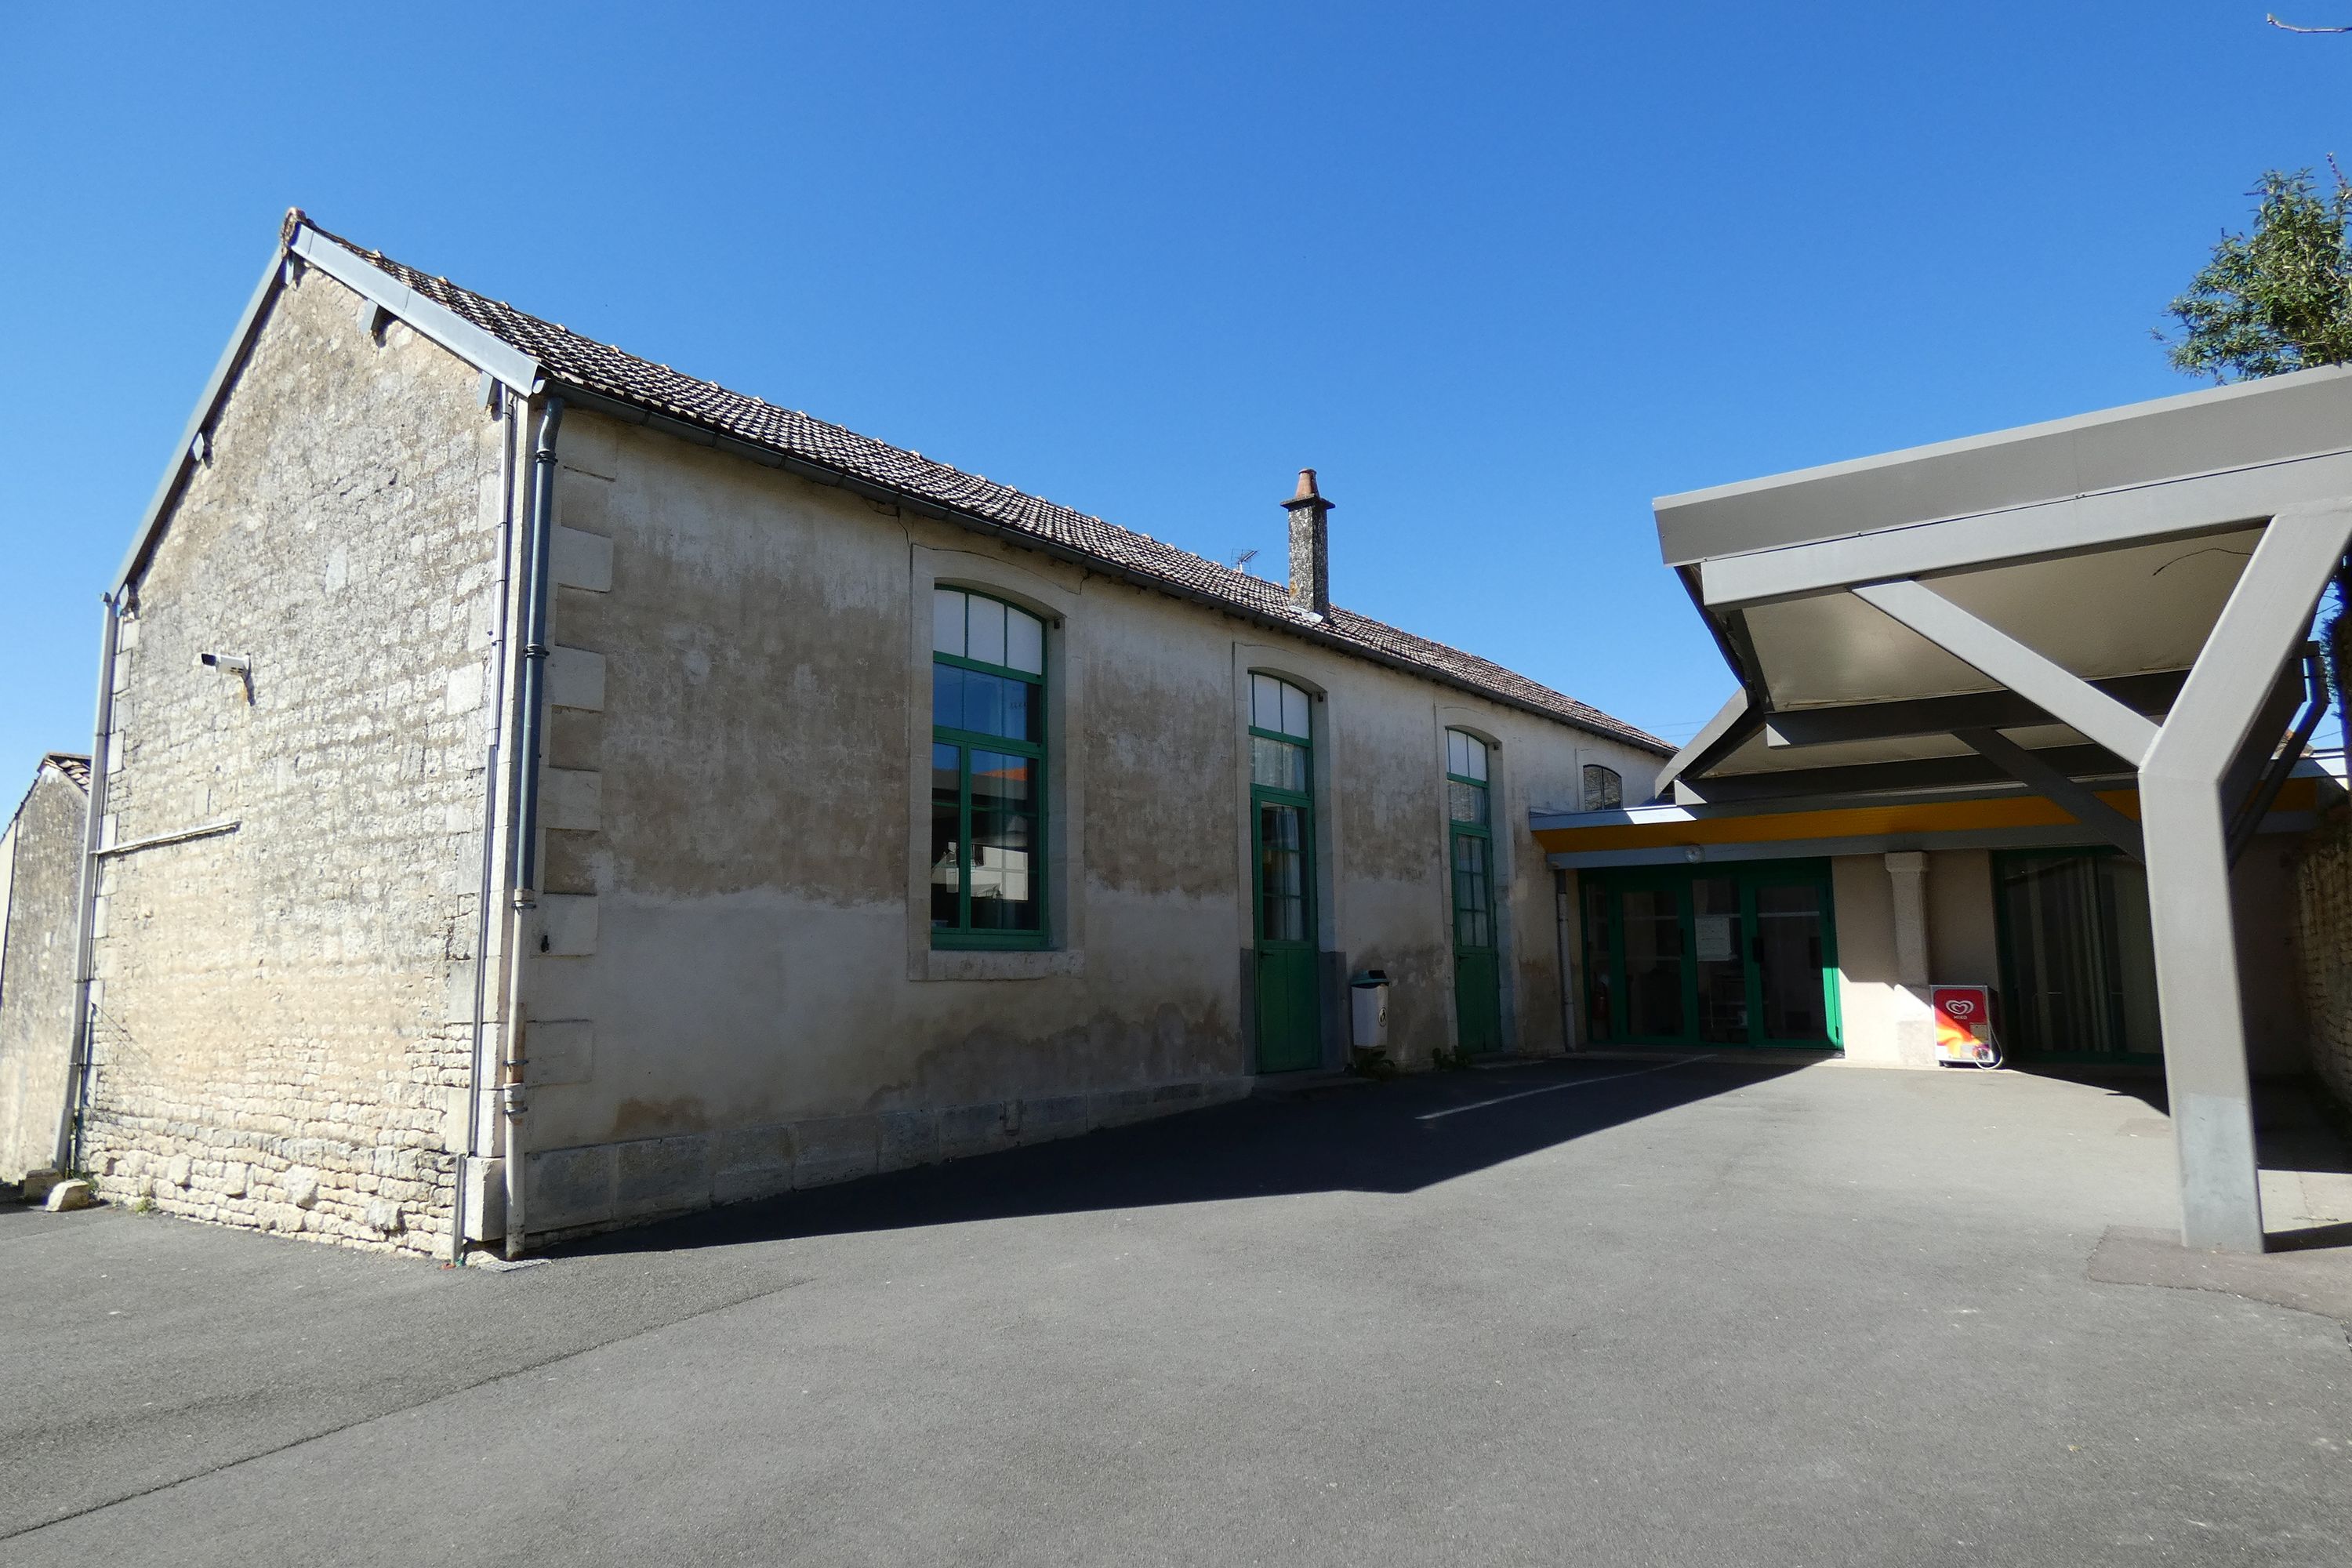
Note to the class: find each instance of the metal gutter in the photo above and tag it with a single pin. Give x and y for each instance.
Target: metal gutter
(483, 350)
(535, 650)
(922, 506)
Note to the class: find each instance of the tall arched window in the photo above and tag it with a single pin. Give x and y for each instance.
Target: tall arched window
(988, 773)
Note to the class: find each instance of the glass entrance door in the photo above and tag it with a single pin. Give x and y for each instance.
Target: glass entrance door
(1731, 955)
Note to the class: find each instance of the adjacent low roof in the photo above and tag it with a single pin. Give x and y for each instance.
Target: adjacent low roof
(2107, 543)
(567, 358)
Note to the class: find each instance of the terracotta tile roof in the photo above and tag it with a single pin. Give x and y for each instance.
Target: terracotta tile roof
(565, 356)
(72, 765)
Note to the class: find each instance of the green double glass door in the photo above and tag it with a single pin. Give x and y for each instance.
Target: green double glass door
(1711, 955)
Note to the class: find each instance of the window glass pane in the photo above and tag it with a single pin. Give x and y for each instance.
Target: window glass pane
(1453, 758)
(1654, 963)
(1003, 842)
(1788, 954)
(1474, 893)
(1294, 713)
(1599, 973)
(1282, 873)
(1466, 755)
(947, 696)
(986, 621)
(1266, 702)
(1024, 641)
(1603, 790)
(986, 704)
(1466, 801)
(1278, 765)
(1722, 958)
(947, 834)
(947, 621)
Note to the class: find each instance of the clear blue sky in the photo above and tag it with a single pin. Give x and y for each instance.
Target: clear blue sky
(1503, 274)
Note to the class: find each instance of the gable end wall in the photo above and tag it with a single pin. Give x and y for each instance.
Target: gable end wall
(284, 1012)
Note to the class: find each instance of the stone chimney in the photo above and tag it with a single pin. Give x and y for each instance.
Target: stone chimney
(1310, 548)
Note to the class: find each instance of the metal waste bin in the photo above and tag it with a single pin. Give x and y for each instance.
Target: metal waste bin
(1367, 994)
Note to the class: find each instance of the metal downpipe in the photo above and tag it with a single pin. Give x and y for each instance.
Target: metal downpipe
(68, 1138)
(491, 790)
(528, 721)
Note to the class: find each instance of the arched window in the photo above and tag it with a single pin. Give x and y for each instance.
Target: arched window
(988, 773)
(1603, 790)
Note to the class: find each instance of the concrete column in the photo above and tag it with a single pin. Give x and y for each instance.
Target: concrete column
(2183, 821)
(1908, 869)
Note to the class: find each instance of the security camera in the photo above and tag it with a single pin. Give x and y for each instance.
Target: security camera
(234, 663)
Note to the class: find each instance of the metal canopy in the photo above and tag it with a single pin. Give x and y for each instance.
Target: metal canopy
(2062, 606)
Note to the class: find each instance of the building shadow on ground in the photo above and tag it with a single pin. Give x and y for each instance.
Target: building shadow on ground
(1394, 1137)
(2299, 1129)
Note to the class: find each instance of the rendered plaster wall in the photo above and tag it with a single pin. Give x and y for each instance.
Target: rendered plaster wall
(40, 881)
(737, 992)
(284, 1009)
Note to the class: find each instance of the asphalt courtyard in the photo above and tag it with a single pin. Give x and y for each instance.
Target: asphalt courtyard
(1594, 1313)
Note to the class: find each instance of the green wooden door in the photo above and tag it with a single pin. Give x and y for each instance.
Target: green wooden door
(1282, 841)
(1289, 1012)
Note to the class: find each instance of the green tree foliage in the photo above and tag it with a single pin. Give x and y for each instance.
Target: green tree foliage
(2278, 299)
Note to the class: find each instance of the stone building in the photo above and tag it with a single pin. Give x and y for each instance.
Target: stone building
(540, 790)
(40, 878)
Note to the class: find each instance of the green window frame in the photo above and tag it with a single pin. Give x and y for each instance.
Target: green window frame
(1282, 773)
(988, 773)
(1469, 814)
(1642, 923)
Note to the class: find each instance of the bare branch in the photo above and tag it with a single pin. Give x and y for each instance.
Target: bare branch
(2291, 27)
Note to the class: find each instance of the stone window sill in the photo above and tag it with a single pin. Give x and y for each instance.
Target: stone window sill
(983, 963)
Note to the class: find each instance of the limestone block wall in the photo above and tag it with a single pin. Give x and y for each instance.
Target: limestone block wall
(2323, 911)
(40, 884)
(286, 922)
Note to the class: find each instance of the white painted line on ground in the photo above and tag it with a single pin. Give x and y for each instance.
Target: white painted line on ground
(1556, 1088)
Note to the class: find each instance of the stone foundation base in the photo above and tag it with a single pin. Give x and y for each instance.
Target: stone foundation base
(573, 1192)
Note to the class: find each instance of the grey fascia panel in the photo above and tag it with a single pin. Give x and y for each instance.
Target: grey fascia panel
(2219, 430)
(183, 454)
(470, 342)
(2201, 503)
(2054, 837)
